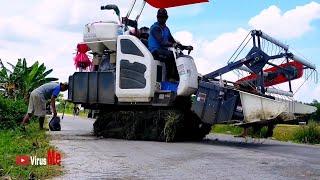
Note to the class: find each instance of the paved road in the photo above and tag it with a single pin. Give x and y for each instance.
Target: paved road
(217, 157)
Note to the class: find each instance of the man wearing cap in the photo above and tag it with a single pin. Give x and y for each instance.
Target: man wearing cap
(38, 99)
(159, 40)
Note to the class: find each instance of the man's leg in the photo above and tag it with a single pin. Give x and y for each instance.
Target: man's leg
(167, 57)
(41, 122)
(30, 110)
(40, 109)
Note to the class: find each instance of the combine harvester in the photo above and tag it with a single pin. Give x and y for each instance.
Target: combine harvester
(129, 88)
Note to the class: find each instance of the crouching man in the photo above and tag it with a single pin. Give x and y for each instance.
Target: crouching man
(38, 99)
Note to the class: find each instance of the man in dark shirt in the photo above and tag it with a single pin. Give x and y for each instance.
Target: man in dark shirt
(159, 40)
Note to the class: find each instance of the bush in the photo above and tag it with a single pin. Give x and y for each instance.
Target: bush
(11, 112)
(308, 134)
(316, 116)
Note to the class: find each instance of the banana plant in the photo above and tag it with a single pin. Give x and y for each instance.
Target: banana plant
(7, 80)
(23, 79)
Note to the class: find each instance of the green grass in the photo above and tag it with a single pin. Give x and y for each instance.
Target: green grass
(226, 129)
(308, 134)
(32, 142)
(282, 132)
(83, 114)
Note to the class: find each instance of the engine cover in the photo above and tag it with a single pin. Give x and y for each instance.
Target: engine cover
(188, 76)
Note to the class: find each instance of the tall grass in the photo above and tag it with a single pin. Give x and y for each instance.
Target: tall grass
(308, 133)
(301, 134)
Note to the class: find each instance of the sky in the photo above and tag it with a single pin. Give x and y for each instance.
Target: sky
(48, 31)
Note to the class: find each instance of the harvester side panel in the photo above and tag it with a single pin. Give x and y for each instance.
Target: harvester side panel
(92, 88)
(215, 104)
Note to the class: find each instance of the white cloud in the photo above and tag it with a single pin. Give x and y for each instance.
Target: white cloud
(38, 43)
(291, 24)
(47, 12)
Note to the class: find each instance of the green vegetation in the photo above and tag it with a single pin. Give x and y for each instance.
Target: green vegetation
(16, 84)
(64, 104)
(173, 123)
(316, 115)
(236, 130)
(226, 129)
(15, 142)
(69, 108)
(296, 133)
(20, 80)
(11, 112)
(284, 132)
(32, 142)
(308, 134)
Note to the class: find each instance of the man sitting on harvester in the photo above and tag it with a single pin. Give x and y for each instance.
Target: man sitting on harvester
(160, 39)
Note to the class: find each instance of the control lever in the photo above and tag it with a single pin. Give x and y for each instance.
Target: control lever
(182, 47)
(189, 48)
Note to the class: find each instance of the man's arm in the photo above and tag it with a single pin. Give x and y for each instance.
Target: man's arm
(55, 94)
(171, 39)
(53, 105)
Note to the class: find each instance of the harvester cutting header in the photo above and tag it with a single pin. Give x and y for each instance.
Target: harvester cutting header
(142, 92)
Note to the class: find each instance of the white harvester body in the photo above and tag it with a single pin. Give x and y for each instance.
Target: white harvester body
(101, 36)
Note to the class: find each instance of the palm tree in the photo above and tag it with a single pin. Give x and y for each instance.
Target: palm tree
(23, 79)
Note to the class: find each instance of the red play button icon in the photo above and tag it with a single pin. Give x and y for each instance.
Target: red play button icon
(22, 160)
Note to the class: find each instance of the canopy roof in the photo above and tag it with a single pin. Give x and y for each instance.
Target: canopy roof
(172, 3)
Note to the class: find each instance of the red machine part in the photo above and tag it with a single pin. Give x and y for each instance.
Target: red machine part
(172, 3)
(276, 75)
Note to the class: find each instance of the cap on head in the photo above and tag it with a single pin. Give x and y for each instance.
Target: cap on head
(162, 13)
